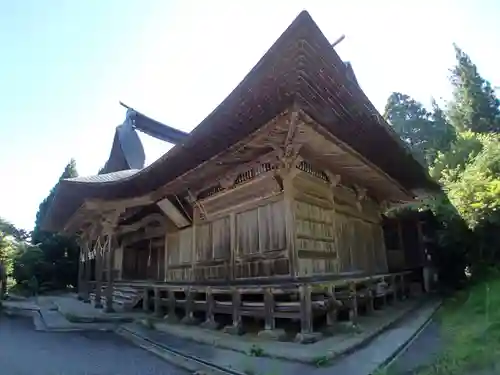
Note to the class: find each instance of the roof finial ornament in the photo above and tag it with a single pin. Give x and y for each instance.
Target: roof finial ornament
(342, 37)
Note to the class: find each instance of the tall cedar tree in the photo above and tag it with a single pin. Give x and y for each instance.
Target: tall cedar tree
(60, 252)
(474, 106)
(425, 132)
(9, 229)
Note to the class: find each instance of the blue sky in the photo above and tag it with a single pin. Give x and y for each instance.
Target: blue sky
(65, 65)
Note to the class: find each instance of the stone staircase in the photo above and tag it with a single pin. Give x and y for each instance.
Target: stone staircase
(125, 297)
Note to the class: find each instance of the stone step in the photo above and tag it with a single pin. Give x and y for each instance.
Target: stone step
(116, 301)
(123, 296)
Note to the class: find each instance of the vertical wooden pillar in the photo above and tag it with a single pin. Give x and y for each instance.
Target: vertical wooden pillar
(210, 322)
(306, 324)
(332, 305)
(171, 317)
(401, 244)
(98, 274)
(371, 297)
(233, 244)
(145, 300)
(270, 330)
(403, 287)
(88, 272)
(166, 257)
(236, 328)
(384, 299)
(269, 323)
(110, 257)
(81, 265)
(157, 301)
(395, 286)
(194, 247)
(353, 313)
(189, 317)
(288, 193)
(306, 334)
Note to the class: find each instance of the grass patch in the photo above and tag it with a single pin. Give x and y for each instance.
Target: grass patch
(470, 324)
(322, 361)
(256, 351)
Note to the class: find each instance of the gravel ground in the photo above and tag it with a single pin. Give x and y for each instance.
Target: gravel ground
(24, 351)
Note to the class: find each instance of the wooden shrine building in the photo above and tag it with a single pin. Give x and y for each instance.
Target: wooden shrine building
(271, 207)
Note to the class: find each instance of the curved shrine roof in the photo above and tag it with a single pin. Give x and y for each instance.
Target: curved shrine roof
(302, 68)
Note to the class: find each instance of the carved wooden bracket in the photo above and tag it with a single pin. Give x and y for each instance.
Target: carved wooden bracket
(361, 194)
(288, 153)
(142, 223)
(102, 244)
(228, 181)
(110, 219)
(333, 178)
(195, 203)
(385, 206)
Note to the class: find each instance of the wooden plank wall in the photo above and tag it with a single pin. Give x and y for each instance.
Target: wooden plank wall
(394, 245)
(334, 233)
(241, 232)
(178, 248)
(237, 234)
(261, 241)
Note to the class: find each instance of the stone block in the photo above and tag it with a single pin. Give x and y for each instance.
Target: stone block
(234, 329)
(210, 324)
(189, 321)
(308, 338)
(272, 334)
(171, 318)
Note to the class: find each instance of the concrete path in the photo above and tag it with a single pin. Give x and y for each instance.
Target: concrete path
(75, 310)
(326, 349)
(26, 352)
(364, 361)
(421, 352)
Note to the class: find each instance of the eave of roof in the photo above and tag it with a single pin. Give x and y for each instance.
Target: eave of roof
(302, 68)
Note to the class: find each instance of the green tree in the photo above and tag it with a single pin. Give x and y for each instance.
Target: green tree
(473, 185)
(60, 253)
(425, 132)
(28, 264)
(9, 229)
(442, 133)
(38, 235)
(474, 106)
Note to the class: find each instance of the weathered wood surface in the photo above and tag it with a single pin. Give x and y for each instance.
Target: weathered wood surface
(283, 213)
(302, 302)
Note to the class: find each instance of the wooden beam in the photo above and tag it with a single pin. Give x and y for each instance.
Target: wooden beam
(155, 217)
(320, 130)
(174, 214)
(119, 204)
(255, 144)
